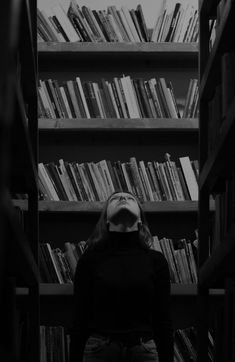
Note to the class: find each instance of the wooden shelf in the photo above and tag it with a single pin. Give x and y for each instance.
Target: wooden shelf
(181, 290)
(21, 262)
(96, 206)
(113, 124)
(223, 39)
(216, 168)
(177, 54)
(24, 173)
(51, 289)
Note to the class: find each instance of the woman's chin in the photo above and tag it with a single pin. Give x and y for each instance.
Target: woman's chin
(125, 213)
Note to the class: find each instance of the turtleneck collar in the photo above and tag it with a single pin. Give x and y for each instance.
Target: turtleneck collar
(123, 240)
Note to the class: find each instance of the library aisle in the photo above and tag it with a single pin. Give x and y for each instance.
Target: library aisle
(97, 97)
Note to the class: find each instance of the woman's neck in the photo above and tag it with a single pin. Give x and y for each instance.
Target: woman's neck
(123, 228)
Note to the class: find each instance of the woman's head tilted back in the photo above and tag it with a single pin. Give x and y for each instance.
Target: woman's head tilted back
(121, 208)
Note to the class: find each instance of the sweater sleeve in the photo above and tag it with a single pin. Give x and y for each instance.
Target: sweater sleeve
(163, 330)
(81, 308)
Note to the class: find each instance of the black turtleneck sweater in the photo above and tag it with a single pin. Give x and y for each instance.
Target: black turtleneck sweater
(122, 287)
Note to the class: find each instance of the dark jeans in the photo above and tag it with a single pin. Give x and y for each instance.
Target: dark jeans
(102, 349)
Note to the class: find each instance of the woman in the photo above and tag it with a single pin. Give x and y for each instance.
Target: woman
(121, 291)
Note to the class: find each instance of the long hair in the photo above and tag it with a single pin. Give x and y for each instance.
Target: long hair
(101, 233)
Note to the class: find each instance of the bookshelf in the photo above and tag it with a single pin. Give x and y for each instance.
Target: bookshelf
(216, 235)
(18, 162)
(93, 139)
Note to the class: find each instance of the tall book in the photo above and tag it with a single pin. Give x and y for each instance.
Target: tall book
(190, 177)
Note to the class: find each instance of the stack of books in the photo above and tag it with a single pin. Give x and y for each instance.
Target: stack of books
(57, 266)
(176, 21)
(54, 344)
(95, 181)
(185, 345)
(120, 98)
(181, 256)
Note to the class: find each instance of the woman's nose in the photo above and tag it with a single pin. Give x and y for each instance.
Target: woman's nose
(122, 197)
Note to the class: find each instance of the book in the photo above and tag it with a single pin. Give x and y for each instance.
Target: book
(137, 25)
(174, 178)
(73, 180)
(89, 194)
(69, 252)
(45, 26)
(79, 22)
(63, 109)
(141, 18)
(99, 37)
(172, 21)
(70, 85)
(87, 173)
(66, 103)
(80, 185)
(158, 194)
(190, 177)
(101, 25)
(64, 22)
(47, 255)
(68, 99)
(137, 179)
(107, 25)
(113, 10)
(114, 27)
(80, 88)
(66, 181)
(51, 168)
(47, 182)
(130, 23)
(168, 98)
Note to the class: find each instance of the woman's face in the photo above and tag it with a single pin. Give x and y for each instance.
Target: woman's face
(123, 206)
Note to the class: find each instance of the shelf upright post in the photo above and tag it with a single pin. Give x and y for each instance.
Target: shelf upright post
(203, 207)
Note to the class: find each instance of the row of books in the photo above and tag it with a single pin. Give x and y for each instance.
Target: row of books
(120, 98)
(54, 344)
(58, 266)
(55, 340)
(181, 256)
(177, 22)
(185, 345)
(58, 22)
(95, 181)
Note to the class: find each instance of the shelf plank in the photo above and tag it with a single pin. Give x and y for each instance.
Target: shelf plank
(96, 206)
(53, 289)
(223, 38)
(20, 262)
(113, 124)
(118, 47)
(177, 53)
(50, 289)
(216, 167)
